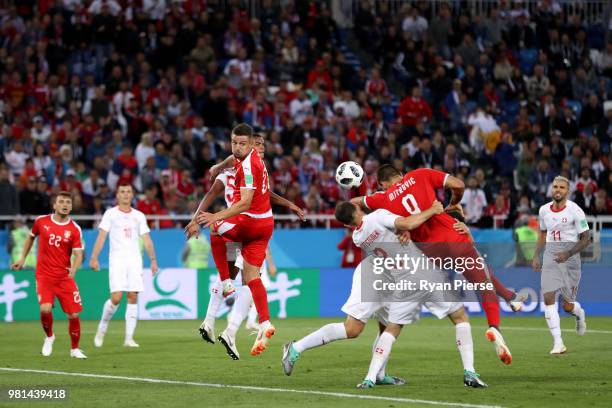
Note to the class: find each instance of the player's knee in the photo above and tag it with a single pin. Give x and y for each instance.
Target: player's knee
(73, 315)
(116, 297)
(568, 307)
(459, 316)
(353, 329)
(132, 297)
(46, 307)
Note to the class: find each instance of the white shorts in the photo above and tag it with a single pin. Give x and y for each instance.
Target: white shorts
(125, 275)
(354, 307)
(409, 312)
(233, 251)
(263, 271)
(396, 312)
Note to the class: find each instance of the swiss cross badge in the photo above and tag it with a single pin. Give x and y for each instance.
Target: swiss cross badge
(564, 220)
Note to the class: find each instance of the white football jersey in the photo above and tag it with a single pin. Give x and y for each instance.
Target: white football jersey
(563, 225)
(376, 230)
(228, 177)
(124, 230)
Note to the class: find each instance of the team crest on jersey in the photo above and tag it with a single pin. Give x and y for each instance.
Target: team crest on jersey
(564, 220)
(67, 234)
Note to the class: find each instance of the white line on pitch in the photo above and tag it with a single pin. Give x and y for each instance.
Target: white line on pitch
(546, 329)
(251, 388)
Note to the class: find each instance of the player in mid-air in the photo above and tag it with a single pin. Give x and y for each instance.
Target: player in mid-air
(249, 221)
(408, 194)
(564, 232)
(125, 226)
(224, 184)
(375, 234)
(59, 240)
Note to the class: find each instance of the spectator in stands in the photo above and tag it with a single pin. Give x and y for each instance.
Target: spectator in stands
(539, 181)
(351, 253)
(537, 84)
(9, 205)
(32, 201)
(592, 113)
(474, 202)
(414, 109)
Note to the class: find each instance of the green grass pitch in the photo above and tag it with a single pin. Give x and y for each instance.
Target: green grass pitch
(425, 354)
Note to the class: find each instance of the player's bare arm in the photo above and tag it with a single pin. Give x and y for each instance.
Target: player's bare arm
(580, 245)
(360, 201)
(246, 197)
(27, 246)
(217, 168)
(537, 263)
(193, 228)
(77, 261)
(275, 199)
(150, 248)
(94, 264)
(271, 265)
(416, 220)
(463, 229)
(457, 188)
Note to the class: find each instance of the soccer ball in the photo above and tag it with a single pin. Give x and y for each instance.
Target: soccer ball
(349, 174)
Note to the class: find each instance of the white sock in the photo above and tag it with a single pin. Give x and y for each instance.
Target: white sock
(380, 355)
(108, 311)
(465, 345)
(551, 313)
(244, 300)
(131, 318)
(216, 297)
(577, 309)
(252, 315)
(381, 373)
(326, 334)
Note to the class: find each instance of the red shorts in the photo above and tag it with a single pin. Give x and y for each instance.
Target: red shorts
(65, 289)
(253, 233)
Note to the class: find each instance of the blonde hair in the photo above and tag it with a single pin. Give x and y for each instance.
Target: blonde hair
(564, 179)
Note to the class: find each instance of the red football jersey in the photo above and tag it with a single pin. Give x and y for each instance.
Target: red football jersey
(55, 245)
(251, 173)
(416, 192)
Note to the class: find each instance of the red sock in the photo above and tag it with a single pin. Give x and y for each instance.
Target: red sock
(220, 255)
(260, 298)
(46, 319)
(74, 328)
(501, 290)
(490, 304)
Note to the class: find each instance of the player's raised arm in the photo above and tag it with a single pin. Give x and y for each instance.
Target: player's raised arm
(246, 198)
(537, 263)
(359, 201)
(94, 264)
(415, 221)
(217, 168)
(27, 246)
(275, 199)
(457, 188)
(193, 227)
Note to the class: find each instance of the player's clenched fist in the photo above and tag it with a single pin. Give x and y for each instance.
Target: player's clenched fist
(94, 264)
(192, 229)
(537, 264)
(437, 207)
(17, 265)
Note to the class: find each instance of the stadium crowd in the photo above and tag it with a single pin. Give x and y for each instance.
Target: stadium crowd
(96, 93)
